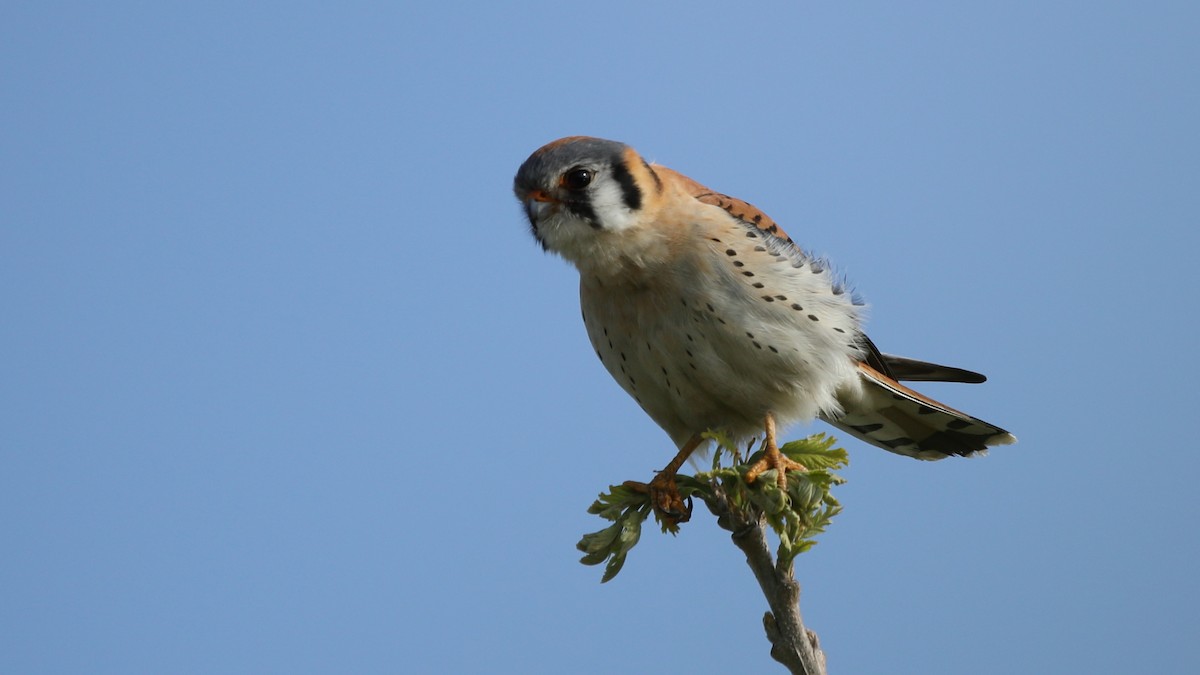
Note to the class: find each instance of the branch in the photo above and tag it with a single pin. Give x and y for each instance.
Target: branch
(796, 513)
(793, 645)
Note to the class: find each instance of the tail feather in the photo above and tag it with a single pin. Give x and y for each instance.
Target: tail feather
(896, 418)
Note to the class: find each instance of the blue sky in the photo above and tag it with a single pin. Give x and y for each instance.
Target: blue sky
(288, 387)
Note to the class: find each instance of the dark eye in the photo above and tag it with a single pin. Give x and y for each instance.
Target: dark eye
(577, 179)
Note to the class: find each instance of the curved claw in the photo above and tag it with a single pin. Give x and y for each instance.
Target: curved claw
(668, 503)
(669, 506)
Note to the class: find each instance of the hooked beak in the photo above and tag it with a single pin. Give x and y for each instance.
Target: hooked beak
(538, 204)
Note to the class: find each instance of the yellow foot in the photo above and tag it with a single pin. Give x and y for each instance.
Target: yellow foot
(773, 459)
(668, 504)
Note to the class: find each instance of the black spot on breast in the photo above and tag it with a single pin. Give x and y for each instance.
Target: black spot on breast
(710, 307)
(757, 345)
(836, 329)
(751, 235)
(798, 308)
(768, 298)
(748, 274)
(781, 298)
(730, 252)
(760, 248)
(757, 284)
(750, 335)
(738, 263)
(813, 317)
(772, 349)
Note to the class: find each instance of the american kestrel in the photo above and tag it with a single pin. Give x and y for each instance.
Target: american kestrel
(711, 317)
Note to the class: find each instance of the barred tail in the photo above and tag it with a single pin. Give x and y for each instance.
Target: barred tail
(893, 417)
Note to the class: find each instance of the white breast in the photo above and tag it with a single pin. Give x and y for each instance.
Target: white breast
(738, 326)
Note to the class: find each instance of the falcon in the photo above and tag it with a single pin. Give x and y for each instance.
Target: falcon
(712, 318)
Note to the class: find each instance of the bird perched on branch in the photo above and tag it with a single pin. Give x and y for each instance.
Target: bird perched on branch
(711, 317)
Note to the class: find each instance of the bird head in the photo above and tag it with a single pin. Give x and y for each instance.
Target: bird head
(579, 191)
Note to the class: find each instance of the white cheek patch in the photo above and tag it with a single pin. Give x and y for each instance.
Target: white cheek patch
(608, 203)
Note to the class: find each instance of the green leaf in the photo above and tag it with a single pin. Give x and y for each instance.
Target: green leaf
(817, 452)
(796, 513)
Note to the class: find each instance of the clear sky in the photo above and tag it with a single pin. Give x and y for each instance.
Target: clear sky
(287, 387)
